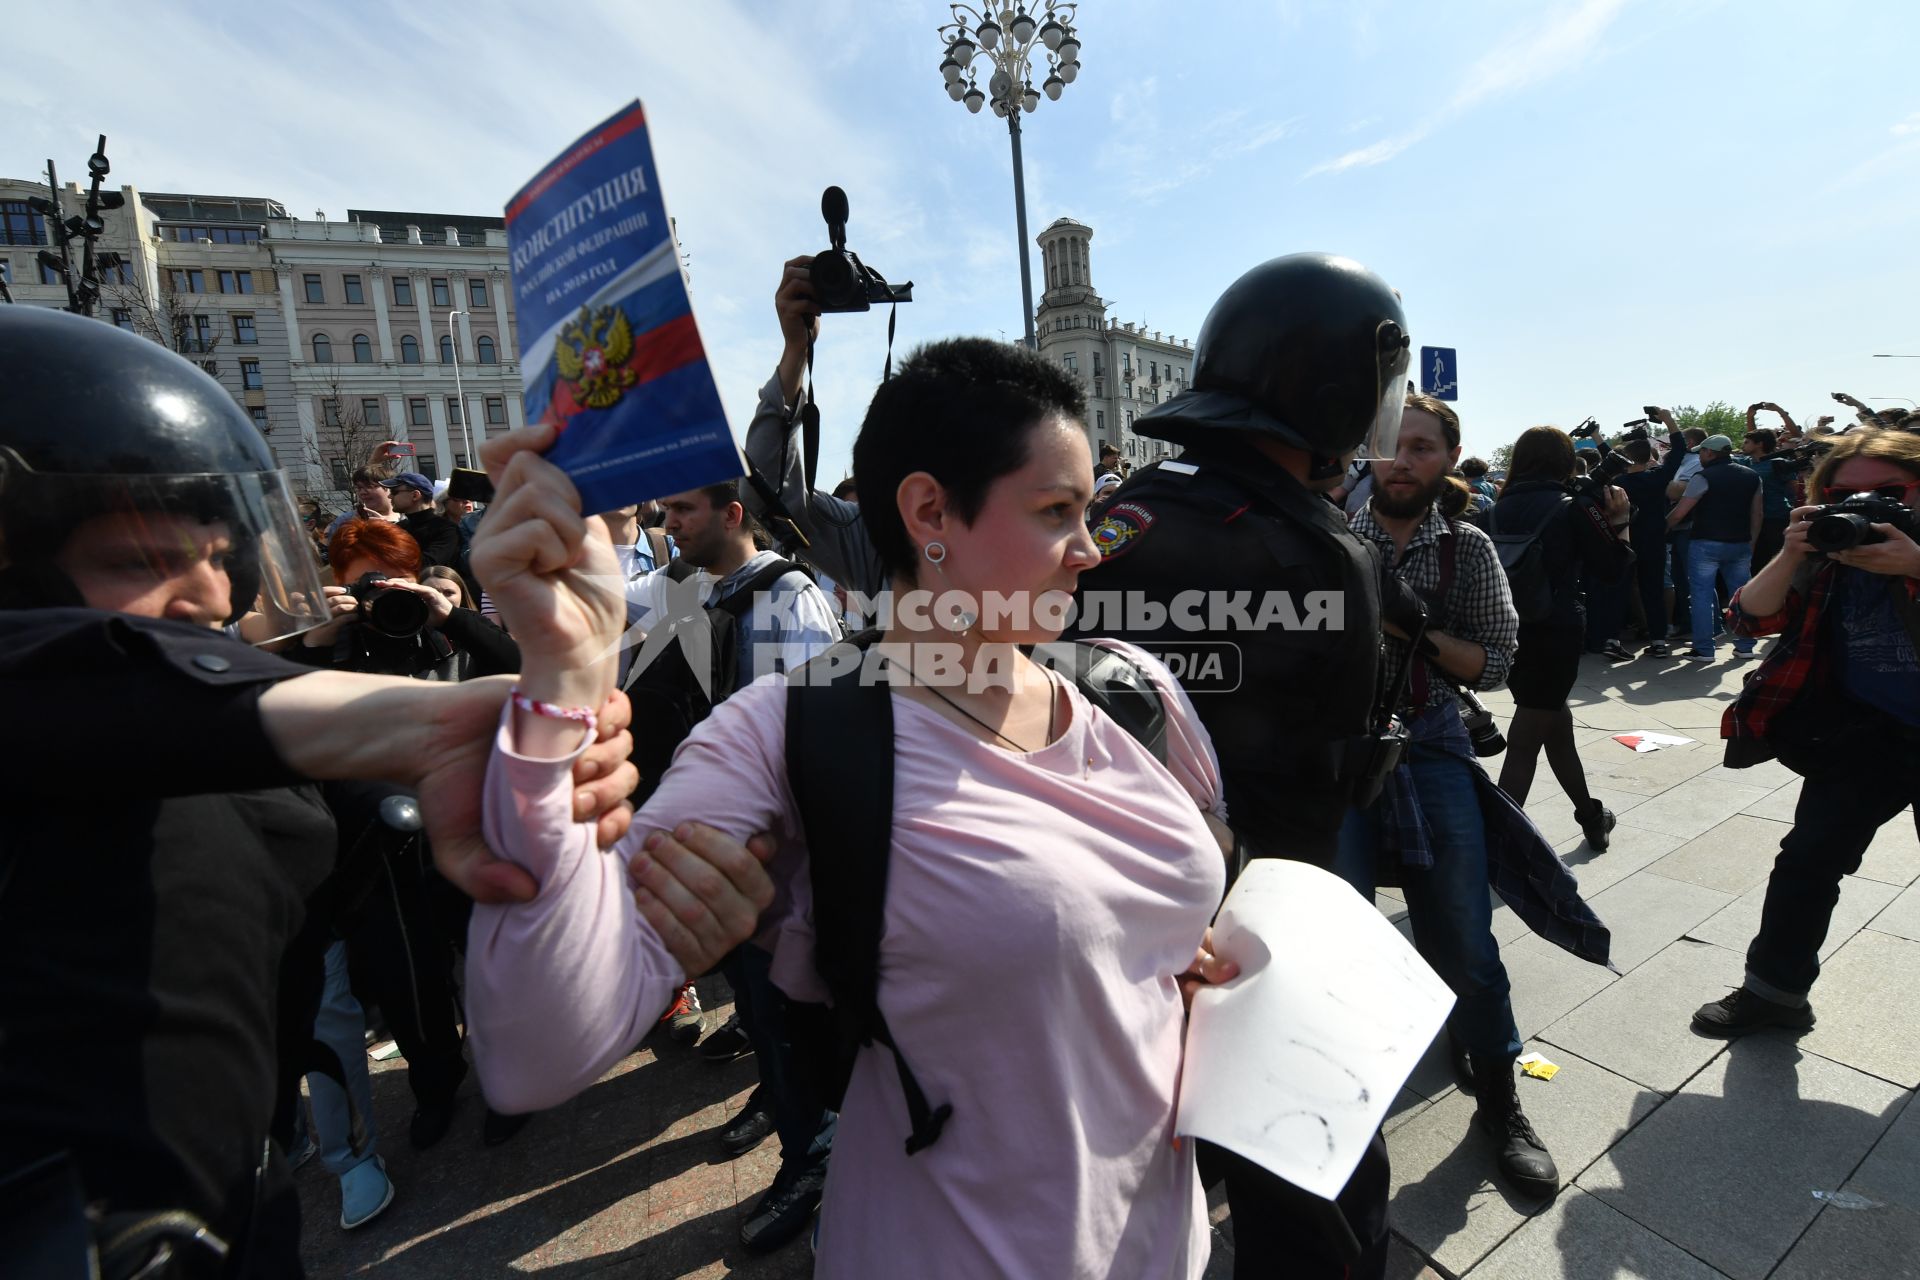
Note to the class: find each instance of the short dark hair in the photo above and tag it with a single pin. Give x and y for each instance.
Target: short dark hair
(1694, 435)
(987, 395)
(1473, 468)
(1769, 438)
(847, 490)
(1541, 453)
(719, 495)
(370, 475)
(1637, 450)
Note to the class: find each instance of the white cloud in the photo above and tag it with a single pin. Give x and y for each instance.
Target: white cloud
(1908, 127)
(1521, 60)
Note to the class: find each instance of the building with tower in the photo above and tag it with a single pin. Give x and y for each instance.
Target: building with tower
(1125, 369)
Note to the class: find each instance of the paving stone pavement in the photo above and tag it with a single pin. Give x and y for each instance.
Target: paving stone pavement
(1682, 1158)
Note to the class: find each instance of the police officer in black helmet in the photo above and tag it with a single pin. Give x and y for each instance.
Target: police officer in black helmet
(1299, 369)
(157, 846)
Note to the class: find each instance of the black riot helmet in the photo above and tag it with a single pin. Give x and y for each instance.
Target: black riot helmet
(1311, 349)
(98, 424)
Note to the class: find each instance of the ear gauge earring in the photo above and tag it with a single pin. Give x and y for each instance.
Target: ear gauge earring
(935, 552)
(936, 555)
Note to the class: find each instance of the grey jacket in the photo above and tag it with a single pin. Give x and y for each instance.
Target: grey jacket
(840, 546)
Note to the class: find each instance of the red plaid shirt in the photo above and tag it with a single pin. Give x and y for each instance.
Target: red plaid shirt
(1787, 670)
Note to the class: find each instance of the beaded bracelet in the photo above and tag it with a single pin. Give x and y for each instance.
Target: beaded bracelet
(553, 711)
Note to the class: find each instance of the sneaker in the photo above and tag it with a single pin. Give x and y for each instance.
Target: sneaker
(1741, 1011)
(727, 1043)
(1659, 649)
(1696, 657)
(785, 1211)
(1596, 822)
(753, 1126)
(682, 1018)
(365, 1193)
(1524, 1161)
(1742, 655)
(1615, 651)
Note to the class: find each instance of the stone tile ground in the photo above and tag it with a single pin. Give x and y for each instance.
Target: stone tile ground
(1684, 1158)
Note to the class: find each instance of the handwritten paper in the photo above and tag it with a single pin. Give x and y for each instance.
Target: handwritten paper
(1294, 1063)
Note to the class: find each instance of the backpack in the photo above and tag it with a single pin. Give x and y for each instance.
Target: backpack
(1524, 558)
(665, 693)
(840, 726)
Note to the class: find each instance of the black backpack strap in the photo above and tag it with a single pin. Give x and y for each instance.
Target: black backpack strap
(837, 729)
(1116, 684)
(740, 599)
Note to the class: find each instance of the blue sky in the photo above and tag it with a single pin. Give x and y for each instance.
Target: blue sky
(1601, 203)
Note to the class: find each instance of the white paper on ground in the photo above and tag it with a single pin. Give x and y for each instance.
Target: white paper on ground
(1294, 1063)
(1645, 740)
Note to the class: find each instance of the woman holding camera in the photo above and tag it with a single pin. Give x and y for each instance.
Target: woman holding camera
(1035, 842)
(1837, 700)
(1576, 530)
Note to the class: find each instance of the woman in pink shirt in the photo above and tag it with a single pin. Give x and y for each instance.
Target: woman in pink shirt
(1049, 885)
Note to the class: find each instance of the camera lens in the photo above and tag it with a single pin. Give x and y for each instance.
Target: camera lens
(833, 282)
(398, 614)
(1837, 531)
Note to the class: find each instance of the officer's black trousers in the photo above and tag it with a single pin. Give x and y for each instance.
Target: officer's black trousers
(1282, 1231)
(401, 954)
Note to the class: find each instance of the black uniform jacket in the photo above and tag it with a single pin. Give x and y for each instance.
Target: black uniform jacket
(155, 860)
(1278, 645)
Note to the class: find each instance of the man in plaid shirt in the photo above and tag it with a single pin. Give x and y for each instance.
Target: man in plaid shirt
(1433, 823)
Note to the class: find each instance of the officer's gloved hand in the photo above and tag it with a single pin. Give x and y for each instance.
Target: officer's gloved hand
(1402, 612)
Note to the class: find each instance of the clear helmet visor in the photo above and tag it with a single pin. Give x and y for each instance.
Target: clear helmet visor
(1393, 358)
(209, 549)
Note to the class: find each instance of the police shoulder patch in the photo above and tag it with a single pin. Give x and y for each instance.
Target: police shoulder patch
(1121, 527)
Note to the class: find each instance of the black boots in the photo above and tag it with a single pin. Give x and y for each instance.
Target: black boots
(1524, 1161)
(1741, 1011)
(1596, 821)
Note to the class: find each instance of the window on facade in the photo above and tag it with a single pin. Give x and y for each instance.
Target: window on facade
(426, 464)
(1072, 362)
(409, 349)
(446, 348)
(219, 235)
(1126, 362)
(362, 349)
(258, 412)
(1099, 366)
(49, 276)
(315, 292)
(119, 273)
(370, 411)
(19, 224)
(476, 291)
(322, 349)
(236, 282)
(417, 412)
(1100, 420)
(250, 375)
(196, 333)
(483, 349)
(191, 280)
(123, 317)
(496, 410)
(243, 331)
(453, 410)
(330, 412)
(342, 478)
(402, 291)
(442, 297)
(351, 284)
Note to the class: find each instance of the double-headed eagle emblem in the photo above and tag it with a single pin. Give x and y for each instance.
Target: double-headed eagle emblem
(592, 356)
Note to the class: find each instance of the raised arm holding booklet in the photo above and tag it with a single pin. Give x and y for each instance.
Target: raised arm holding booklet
(608, 346)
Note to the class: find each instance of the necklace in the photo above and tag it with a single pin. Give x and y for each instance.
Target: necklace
(1053, 705)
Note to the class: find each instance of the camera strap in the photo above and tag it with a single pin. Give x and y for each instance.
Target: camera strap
(810, 412)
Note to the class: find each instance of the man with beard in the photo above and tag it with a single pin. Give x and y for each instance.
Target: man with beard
(1441, 856)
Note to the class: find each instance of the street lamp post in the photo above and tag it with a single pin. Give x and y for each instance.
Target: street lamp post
(459, 391)
(1006, 40)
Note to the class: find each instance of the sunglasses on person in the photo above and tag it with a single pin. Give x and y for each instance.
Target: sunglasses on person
(1893, 492)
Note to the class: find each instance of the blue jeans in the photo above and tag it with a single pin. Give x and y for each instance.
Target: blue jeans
(1450, 904)
(804, 1125)
(1706, 561)
(341, 1026)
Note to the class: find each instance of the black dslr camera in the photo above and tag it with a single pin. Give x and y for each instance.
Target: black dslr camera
(841, 282)
(1587, 430)
(1841, 526)
(389, 611)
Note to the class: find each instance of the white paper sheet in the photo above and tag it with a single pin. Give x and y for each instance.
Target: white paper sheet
(1294, 1063)
(1645, 740)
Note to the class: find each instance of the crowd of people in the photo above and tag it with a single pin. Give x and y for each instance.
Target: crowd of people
(878, 756)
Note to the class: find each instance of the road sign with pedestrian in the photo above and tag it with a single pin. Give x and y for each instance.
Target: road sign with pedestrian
(1440, 372)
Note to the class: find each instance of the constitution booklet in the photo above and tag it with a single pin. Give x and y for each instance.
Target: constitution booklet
(609, 350)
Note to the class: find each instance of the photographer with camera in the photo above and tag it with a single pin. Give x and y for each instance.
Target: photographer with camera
(1837, 701)
(1551, 530)
(1645, 484)
(1723, 504)
(1760, 453)
(783, 438)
